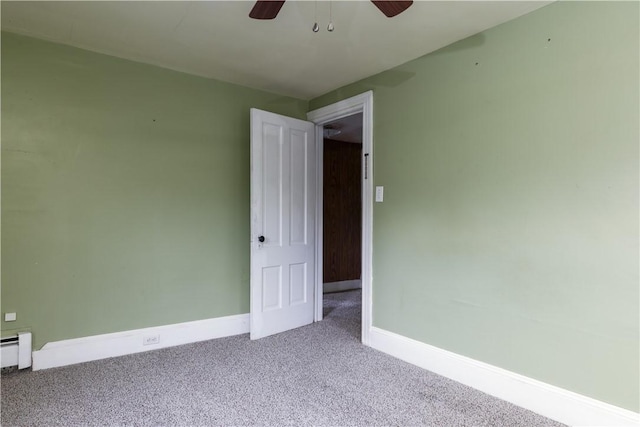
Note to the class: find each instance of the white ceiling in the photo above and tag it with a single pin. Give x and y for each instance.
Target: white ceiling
(217, 39)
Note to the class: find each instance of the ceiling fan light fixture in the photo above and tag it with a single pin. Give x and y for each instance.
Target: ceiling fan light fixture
(269, 9)
(392, 8)
(316, 27)
(330, 26)
(266, 9)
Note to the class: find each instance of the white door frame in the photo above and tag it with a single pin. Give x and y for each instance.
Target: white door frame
(362, 103)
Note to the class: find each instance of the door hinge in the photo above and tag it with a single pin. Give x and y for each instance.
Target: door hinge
(366, 165)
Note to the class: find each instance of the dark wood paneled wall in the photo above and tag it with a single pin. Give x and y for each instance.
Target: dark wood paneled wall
(342, 211)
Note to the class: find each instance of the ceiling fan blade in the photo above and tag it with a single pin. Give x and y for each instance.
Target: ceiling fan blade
(266, 9)
(392, 8)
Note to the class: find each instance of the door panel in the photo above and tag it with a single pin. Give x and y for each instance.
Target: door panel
(271, 288)
(299, 188)
(298, 283)
(272, 177)
(283, 185)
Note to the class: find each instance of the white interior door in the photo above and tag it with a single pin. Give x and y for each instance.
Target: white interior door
(283, 199)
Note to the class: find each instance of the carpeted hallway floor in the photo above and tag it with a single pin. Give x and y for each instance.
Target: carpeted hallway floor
(316, 375)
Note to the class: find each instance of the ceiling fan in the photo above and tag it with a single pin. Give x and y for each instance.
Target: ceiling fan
(268, 9)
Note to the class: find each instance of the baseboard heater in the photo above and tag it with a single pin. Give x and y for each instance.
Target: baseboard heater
(16, 350)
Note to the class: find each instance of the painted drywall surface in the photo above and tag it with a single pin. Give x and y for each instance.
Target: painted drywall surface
(509, 230)
(125, 192)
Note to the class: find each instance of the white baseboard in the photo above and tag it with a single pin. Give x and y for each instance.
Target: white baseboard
(550, 401)
(86, 349)
(344, 285)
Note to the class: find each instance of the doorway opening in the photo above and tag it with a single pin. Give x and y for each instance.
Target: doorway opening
(342, 214)
(334, 122)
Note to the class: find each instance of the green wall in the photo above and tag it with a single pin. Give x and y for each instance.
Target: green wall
(509, 230)
(125, 192)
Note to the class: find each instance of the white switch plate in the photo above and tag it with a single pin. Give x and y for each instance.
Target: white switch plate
(10, 317)
(379, 193)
